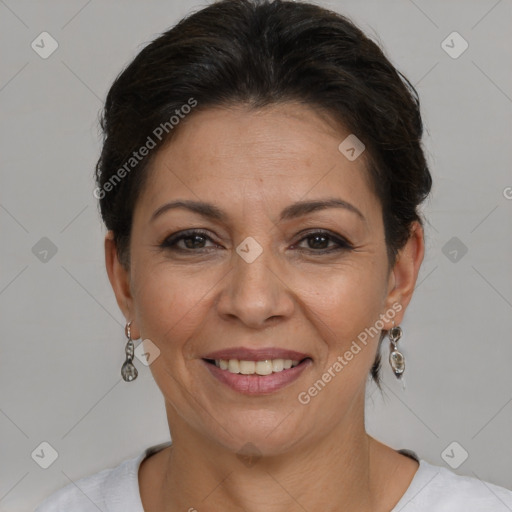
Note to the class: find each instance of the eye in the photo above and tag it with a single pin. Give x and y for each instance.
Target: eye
(318, 242)
(195, 240)
(192, 239)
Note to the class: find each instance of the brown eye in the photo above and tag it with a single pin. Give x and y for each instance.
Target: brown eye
(192, 240)
(318, 242)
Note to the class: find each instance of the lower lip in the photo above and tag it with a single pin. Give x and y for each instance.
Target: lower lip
(258, 384)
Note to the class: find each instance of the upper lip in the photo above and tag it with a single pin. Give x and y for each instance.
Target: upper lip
(258, 354)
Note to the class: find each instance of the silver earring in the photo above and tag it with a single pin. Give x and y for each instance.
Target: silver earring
(396, 358)
(128, 371)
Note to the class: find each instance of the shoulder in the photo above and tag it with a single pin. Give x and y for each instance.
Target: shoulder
(437, 489)
(110, 490)
(84, 495)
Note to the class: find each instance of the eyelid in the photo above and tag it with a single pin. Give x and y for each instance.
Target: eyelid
(321, 231)
(179, 235)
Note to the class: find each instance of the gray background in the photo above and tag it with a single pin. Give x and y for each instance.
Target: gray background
(62, 340)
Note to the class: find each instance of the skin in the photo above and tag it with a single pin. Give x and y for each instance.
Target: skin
(253, 164)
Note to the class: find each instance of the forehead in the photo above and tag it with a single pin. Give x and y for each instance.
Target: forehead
(277, 155)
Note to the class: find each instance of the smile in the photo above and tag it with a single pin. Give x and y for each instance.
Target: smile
(264, 367)
(256, 377)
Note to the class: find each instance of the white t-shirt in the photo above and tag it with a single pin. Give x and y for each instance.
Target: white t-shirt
(433, 489)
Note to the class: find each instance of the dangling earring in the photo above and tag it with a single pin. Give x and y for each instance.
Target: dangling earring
(128, 371)
(396, 358)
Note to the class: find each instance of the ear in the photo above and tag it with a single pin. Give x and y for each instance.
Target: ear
(119, 277)
(402, 278)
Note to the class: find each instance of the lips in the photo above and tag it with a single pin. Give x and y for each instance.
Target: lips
(259, 354)
(258, 384)
(242, 370)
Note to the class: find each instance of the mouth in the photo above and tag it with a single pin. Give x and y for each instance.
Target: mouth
(256, 372)
(259, 367)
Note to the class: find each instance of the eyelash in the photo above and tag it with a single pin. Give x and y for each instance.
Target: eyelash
(170, 243)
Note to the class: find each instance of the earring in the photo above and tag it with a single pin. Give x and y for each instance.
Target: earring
(396, 358)
(128, 371)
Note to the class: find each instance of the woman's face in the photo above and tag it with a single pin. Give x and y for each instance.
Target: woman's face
(263, 274)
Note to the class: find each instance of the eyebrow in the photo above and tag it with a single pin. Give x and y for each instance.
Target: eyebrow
(295, 210)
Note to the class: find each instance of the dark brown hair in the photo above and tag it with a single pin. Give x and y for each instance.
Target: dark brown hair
(260, 53)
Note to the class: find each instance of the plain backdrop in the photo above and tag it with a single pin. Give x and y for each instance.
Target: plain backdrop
(62, 339)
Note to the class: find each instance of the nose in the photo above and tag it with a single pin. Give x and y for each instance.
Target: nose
(254, 293)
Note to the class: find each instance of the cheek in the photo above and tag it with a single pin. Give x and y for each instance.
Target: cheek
(346, 299)
(345, 308)
(346, 305)
(171, 309)
(169, 305)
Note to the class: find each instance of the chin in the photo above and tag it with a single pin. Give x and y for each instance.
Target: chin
(259, 432)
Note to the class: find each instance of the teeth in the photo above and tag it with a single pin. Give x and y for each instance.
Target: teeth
(233, 366)
(278, 365)
(247, 367)
(265, 367)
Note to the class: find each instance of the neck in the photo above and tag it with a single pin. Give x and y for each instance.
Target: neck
(336, 470)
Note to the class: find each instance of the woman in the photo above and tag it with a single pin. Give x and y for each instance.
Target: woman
(260, 179)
